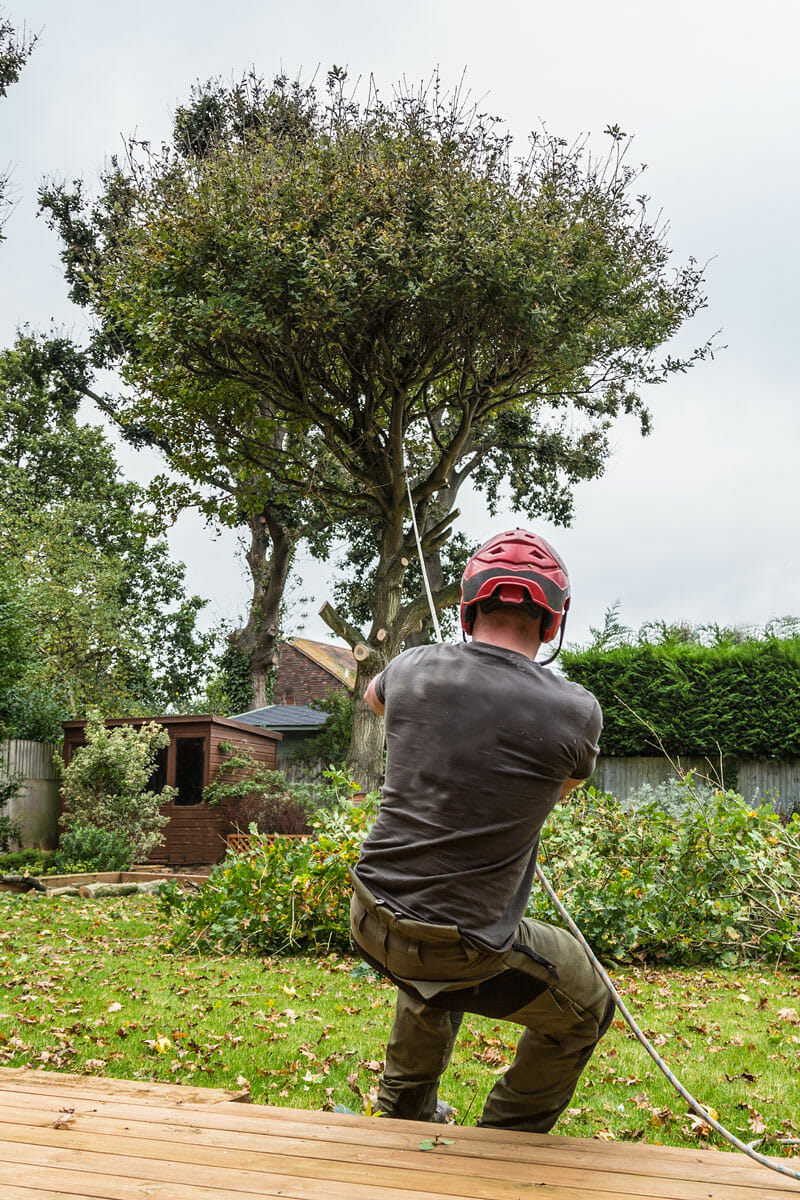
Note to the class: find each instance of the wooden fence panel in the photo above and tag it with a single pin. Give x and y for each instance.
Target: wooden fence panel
(621, 776)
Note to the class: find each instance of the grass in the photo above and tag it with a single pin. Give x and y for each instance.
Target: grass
(88, 987)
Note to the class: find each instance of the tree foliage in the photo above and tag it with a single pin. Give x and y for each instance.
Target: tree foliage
(716, 881)
(331, 743)
(329, 297)
(712, 880)
(702, 691)
(113, 623)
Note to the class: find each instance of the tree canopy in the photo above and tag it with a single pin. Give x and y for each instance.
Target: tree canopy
(106, 617)
(332, 297)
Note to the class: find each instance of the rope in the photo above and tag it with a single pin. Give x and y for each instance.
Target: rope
(425, 579)
(650, 1048)
(695, 1105)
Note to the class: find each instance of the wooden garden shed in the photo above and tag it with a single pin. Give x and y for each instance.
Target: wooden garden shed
(198, 745)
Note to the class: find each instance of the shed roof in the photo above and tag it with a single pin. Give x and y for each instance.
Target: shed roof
(336, 660)
(283, 716)
(173, 721)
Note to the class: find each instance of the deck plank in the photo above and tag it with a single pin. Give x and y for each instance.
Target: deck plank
(295, 1153)
(128, 1143)
(28, 1078)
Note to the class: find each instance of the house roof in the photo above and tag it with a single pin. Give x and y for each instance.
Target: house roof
(280, 717)
(336, 660)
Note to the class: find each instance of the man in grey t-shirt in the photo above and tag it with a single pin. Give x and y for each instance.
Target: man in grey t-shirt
(482, 742)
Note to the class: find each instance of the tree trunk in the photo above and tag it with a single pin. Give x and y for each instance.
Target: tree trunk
(365, 756)
(269, 559)
(392, 624)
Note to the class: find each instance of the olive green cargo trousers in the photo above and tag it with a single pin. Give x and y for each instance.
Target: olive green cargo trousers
(544, 983)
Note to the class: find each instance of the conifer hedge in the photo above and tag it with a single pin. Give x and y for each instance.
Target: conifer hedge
(738, 699)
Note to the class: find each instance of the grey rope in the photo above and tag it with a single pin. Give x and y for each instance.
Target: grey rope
(695, 1105)
(425, 579)
(650, 1048)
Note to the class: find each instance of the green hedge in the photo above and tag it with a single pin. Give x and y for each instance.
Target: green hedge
(739, 700)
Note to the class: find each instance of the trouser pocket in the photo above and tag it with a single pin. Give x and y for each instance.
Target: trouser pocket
(496, 997)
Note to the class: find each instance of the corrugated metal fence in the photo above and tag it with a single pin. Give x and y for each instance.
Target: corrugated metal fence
(768, 780)
(37, 806)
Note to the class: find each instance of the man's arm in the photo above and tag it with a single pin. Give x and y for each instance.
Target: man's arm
(371, 699)
(569, 784)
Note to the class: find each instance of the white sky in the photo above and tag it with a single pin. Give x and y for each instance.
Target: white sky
(696, 522)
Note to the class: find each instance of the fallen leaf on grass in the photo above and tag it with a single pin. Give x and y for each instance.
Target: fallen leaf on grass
(698, 1126)
(160, 1044)
(756, 1122)
(352, 1083)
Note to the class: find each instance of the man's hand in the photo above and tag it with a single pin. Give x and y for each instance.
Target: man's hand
(569, 784)
(371, 700)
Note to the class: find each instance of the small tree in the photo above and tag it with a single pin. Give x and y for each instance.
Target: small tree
(106, 785)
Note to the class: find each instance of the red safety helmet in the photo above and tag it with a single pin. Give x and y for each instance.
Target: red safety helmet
(517, 567)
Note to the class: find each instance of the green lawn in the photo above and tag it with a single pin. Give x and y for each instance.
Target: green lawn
(88, 986)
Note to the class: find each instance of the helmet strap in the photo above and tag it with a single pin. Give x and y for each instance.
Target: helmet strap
(546, 661)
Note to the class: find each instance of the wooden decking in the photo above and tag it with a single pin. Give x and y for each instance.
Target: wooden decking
(67, 1138)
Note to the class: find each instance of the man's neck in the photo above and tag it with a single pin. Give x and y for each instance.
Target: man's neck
(508, 637)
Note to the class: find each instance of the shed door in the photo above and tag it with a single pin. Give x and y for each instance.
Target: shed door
(189, 770)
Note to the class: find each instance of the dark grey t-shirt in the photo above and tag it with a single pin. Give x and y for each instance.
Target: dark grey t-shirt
(479, 743)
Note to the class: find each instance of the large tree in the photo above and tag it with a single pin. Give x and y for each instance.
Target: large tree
(107, 616)
(341, 297)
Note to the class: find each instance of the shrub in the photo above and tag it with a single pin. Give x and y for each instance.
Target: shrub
(87, 848)
(258, 796)
(692, 876)
(282, 896)
(106, 784)
(704, 878)
(30, 862)
(10, 786)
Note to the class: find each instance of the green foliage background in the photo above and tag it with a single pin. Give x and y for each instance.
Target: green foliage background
(284, 896)
(711, 880)
(679, 696)
(707, 879)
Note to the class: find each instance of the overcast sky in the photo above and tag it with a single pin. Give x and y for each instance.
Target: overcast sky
(697, 522)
